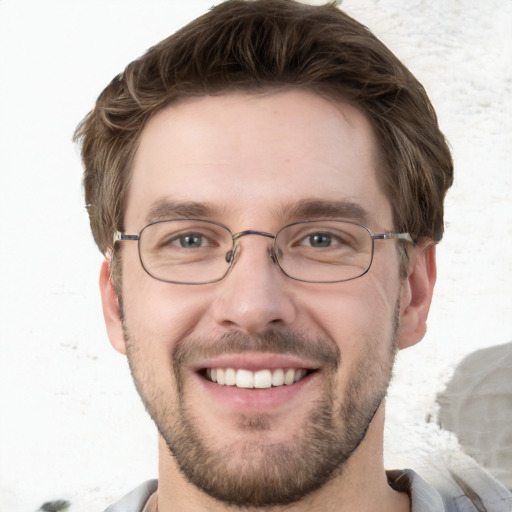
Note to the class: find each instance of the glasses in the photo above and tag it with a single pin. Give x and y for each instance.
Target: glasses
(190, 251)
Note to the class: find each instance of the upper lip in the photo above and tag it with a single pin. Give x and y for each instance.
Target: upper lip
(256, 361)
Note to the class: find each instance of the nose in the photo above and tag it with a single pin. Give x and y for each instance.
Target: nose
(255, 295)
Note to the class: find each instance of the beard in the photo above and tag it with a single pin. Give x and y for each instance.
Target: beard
(254, 471)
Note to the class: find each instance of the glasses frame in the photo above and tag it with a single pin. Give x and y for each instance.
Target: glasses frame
(231, 256)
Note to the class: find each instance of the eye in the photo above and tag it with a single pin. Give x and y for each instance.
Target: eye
(318, 240)
(323, 240)
(185, 239)
(191, 241)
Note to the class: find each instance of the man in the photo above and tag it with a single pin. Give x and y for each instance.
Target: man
(267, 186)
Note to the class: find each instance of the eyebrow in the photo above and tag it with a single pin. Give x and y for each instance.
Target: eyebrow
(319, 208)
(164, 209)
(167, 209)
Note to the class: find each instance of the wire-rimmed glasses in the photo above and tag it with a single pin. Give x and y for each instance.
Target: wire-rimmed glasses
(192, 251)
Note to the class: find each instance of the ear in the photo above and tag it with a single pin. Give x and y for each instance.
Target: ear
(111, 311)
(416, 295)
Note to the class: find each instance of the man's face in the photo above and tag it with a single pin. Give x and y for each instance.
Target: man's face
(260, 162)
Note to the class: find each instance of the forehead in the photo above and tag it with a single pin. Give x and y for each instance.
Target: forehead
(256, 158)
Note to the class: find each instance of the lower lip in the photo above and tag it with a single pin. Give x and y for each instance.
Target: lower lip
(233, 399)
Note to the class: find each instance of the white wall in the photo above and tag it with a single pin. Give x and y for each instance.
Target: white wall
(71, 425)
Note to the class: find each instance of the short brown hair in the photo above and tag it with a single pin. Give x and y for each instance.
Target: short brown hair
(256, 45)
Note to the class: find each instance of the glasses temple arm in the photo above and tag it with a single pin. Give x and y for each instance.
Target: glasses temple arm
(122, 237)
(394, 236)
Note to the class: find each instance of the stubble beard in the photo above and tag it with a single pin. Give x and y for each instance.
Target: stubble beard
(253, 472)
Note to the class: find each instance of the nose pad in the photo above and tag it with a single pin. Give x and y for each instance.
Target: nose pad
(232, 255)
(275, 254)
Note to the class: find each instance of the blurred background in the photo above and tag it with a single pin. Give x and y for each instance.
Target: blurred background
(71, 424)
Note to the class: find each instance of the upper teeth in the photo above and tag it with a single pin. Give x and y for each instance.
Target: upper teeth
(261, 379)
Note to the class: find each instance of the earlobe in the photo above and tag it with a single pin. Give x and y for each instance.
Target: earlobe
(417, 295)
(111, 311)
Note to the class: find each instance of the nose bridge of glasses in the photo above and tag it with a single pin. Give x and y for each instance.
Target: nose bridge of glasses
(237, 236)
(232, 255)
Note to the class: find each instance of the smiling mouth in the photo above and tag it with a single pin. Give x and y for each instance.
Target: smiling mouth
(261, 379)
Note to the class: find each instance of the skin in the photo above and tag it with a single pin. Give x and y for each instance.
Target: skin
(252, 158)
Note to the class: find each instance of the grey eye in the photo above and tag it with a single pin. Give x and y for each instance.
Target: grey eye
(191, 241)
(319, 240)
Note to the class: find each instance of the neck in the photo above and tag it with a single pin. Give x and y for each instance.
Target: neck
(361, 485)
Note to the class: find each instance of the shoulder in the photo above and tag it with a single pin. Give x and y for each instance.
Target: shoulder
(461, 489)
(470, 488)
(135, 500)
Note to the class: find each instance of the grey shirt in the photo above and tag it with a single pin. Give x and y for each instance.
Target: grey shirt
(470, 492)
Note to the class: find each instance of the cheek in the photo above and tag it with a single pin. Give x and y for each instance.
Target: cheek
(364, 305)
(358, 317)
(159, 315)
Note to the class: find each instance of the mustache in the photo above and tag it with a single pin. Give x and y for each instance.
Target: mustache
(274, 341)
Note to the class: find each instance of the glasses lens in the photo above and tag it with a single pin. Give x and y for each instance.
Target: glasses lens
(185, 251)
(324, 251)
